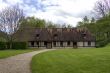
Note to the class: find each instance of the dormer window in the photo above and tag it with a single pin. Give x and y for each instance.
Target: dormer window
(37, 35)
(84, 35)
(55, 36)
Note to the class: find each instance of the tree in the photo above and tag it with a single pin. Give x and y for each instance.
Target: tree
(102, 8)
(63, 25)
(100, 27)
(79, 24)
(50, 25)
(69, 26)
(32, 22)
(92, 20)
(85, 19)
(10, 21)
(84, 22)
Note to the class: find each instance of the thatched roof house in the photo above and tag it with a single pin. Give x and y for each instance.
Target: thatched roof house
(56, 37)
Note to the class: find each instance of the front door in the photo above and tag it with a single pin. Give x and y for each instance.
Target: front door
(49, 45)
(75, 44)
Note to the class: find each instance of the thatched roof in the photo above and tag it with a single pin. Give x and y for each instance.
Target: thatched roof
(53, 34)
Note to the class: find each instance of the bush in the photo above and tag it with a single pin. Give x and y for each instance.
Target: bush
(15, 45)
(3, 45)
(19, 45)
(102, 43)
(2, 39)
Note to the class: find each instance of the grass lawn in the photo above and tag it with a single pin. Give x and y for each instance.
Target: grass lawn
(94, 60)
(8, 53)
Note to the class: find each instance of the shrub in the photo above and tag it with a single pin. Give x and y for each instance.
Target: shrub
(19, 45)
(2, 39)
(102, 43)
(3, 46)
(15, 45)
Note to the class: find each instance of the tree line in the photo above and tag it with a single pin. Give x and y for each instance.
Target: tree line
(100, 24)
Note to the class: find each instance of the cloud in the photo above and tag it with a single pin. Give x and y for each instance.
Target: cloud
(2, 5)
(57, 11)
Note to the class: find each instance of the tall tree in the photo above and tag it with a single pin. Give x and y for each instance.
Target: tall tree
(50, 25)
(69, 26)
(84, 22)
(32, 22)
(92, 20)
(10, 21)
(102, 8)
(85, 19)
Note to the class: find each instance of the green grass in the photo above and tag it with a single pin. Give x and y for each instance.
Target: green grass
(95, 60)
(8, 53)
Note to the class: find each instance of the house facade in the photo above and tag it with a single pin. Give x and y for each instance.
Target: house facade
(61, 37)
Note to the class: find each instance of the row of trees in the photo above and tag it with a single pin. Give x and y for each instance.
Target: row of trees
(100, 25)
(36, 22)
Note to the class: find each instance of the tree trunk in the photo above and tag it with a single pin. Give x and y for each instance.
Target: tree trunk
(9, 41)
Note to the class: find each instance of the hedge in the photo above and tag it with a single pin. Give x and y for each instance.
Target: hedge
(15, 45)
(19, 45)
(3, 45)
(102, 43)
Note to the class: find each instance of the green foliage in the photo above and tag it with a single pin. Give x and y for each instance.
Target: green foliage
(69, 26)
(19, 45)
(32, 22)
(15, 45)
(3, 45)
(100, 29)
(2, 40)
(92, 20)
(102, 43)
(85, 19)
(50, 25)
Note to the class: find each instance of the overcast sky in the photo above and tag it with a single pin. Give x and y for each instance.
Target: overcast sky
(57, 11)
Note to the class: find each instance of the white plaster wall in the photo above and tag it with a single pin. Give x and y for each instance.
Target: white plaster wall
(86, 44)
(79, 44)
(93, 44)
(71, 44)
(64, 43)
(29, 43)
(35, 44)
(42, 43)
(57, 43)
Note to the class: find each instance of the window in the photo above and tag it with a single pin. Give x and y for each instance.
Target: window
(89, 43)
(61, 44)
(54, 43)
(32, 44)
(75, 44)
(37, 43)
(84, 35)
(37, 35)
(68, 43)
(45, 43)
(55, 36)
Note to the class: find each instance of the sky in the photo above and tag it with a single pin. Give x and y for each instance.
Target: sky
(56, 11)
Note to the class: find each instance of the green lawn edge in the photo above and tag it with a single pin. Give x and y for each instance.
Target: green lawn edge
(90, 60)
(9, 53)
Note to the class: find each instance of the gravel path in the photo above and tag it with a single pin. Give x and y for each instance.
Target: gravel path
(19, 63)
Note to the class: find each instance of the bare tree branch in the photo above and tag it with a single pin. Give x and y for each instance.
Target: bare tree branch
(102, 8)
(9, 19)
